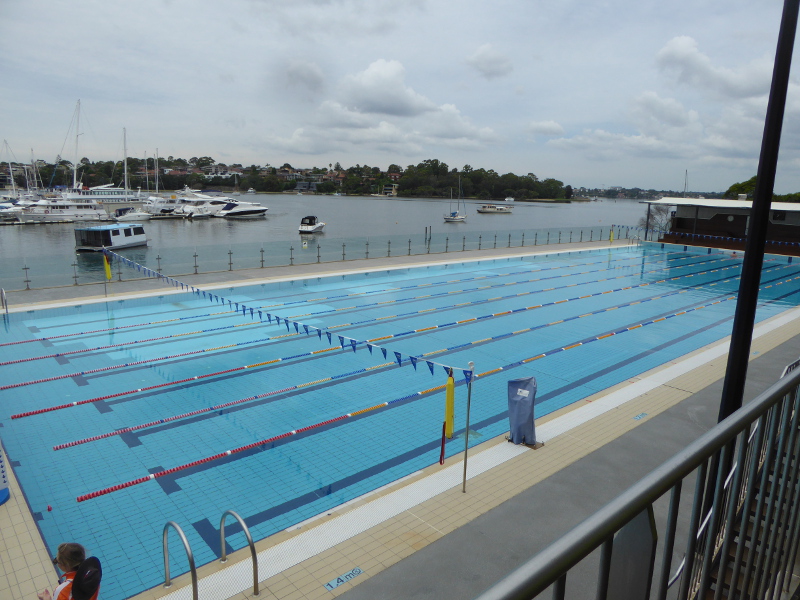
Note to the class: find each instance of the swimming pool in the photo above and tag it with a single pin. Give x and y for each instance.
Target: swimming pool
(124, 415)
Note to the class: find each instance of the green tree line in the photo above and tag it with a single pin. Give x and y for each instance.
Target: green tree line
(429, 178)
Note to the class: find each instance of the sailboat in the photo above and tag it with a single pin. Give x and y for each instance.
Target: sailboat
(460, 214)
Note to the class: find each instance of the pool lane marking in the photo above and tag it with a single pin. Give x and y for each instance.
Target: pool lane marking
(229, 312)
(287, 434)
(385, 365)
(370, 341)
(202, 331)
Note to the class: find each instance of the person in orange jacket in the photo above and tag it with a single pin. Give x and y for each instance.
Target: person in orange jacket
(81, 579)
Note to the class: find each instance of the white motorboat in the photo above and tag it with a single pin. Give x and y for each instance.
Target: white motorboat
(509, 199)
(251, 191)
(131, 215)
(494, 208)
(311, 224)
(112, 236)
(242, 210)
(185, 203)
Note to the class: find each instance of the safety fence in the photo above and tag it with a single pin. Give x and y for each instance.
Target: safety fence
(87, 268)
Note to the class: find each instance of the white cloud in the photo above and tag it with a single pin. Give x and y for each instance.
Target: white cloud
(490, 63)
(550, 128)
(381, 89)
(681, 57)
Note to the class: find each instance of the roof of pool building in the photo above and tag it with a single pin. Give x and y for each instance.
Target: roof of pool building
(310, 401)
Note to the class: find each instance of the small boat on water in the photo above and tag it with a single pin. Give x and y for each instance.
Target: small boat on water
(112, 236)
(48, 210)
(494, 208)
(131, 215)
(311, 224)
(242, 210)
(251, 191)
(509, 199)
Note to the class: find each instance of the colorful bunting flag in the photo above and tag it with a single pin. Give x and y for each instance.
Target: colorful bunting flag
(399, 358)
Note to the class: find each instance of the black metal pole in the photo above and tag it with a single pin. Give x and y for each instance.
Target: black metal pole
(744, 318)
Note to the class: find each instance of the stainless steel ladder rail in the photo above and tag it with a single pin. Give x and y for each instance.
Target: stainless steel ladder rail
(224, 558)
(3, 300)
(189, 555)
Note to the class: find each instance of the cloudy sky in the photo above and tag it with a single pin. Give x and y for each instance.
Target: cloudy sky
(632, 93)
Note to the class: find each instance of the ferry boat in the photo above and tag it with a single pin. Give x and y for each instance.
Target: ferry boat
(311, 224)
(112, 236)
(494, 208)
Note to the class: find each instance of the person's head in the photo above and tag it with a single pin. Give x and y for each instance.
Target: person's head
(69, 556)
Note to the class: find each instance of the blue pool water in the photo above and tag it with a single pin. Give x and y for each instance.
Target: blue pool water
(579, 322)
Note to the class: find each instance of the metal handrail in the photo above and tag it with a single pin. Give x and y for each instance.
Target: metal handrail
(728, 479)
(3, 300)
(224, 558)
(167, 581)
(544, 569)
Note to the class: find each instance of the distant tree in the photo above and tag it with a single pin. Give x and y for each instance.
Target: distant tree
(337, 167)
(271, 183)
(326, 187)
(394, 169)
(660, 217)
(568, 192)
(745, 187)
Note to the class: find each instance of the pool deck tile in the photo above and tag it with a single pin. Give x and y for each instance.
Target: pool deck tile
(26, 566)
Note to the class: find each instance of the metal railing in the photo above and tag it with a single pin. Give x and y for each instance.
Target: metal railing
(741, 531)
(87, 268)
(190, 556)
(223, 551)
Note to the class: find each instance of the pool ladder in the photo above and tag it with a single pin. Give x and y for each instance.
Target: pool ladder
(223, 557)
(3, 300)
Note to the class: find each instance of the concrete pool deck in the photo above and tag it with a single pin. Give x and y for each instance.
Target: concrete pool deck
(421, 537)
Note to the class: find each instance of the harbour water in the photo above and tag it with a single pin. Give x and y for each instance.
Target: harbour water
(356, 227)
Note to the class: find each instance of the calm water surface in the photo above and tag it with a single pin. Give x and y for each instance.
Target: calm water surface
(362, 224)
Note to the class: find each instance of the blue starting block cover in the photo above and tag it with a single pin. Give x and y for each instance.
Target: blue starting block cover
(521, 394)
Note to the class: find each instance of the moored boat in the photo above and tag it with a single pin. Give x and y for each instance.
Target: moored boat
(48, 210)
(494, 208)
(112, 236)
(311, 224)
(242, 210)
(131, 215)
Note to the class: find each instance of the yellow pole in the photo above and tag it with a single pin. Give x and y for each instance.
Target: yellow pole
(450, 405)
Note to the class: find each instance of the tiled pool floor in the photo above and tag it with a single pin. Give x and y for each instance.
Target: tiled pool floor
(503, 358)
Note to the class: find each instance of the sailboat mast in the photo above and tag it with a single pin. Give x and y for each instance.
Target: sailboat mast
(125, 158)
(156, 170)
(77, 133)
